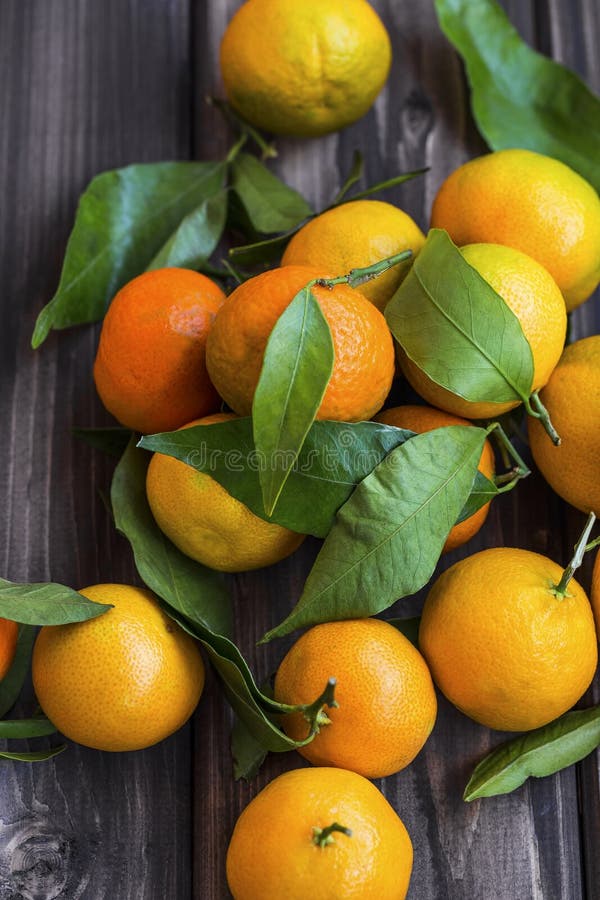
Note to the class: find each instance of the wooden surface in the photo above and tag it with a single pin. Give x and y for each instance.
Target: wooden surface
(86, 86)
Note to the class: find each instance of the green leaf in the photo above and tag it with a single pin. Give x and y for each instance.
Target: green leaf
(335, 457)
(355, 174)
(266, 251)
(538, 753)
(385, 185)
(33, 756)
(112, 441)
(270, 204)
(296, 369)
(46, 604)
(197, 236)
(26, 728)
(389, 535)
(482, 492)
(519, 97)
(454, 326)
(408, 627)
(248, 754)
(12, 683)
(123, 220)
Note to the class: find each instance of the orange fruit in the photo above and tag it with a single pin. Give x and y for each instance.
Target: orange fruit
(364, 354)
(426, 418)
(122, 681)
(595, 595)
(9, 632)
(533, 203)
(502, 645)
(150, 369)
(354, 235)
(206, 523)
(305, 68)
(572, 397)
(386, 699)
(282, 848)
(533, 296)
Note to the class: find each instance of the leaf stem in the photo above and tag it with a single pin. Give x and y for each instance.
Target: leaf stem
(268, 150)
(520, 470)
(356, 277)
(536, 408)
(322, 837)
(236, 147)
(581, 548)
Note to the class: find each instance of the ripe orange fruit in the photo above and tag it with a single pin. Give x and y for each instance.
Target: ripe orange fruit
(206, 522)
(595, 595)
(386, 699)
(533, 203)
(304, 68)
(150, 369)
(354, 235)
(532, 295)
(9, 631)
(572, 397)
(282, 845)
(122, 681)
(426, 418)
(502, 645)
(364, 354)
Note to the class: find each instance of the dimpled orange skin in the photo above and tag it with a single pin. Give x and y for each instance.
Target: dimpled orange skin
(572, 397)
(272, 854)
(425, 418)
(530, 202)
(206, 523)
(122, 681)
(595, 595)
(150, 369)
(9, 631)
(354, 235)
(501, 646)
(532, 294)
(386, 699)
(364, 354)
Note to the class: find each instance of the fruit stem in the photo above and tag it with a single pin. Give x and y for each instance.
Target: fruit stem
(536, 408)
(356, 277)
(236, 121)
(581, 548)
(315, 714)
(322, 837)
(236, 147)
(520, 470)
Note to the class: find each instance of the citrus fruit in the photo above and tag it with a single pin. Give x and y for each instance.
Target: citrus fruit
(572, 398)
(595, 595)
(283, 845)
(532, 295)
(150, 369)
(354, 235)
(386, 699)
(503, 645)
(206, 523)
(122, 681)
(530, 202)
(364, 353)
(9, 632)
(305, 68)
(425, 418)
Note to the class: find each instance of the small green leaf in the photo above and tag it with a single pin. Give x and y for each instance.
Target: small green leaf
(408, 627)
(112, 441)
(389, 535)
(12, 683)
(33, 756)
(196, 237)
(248, 754)
(482, 492)
(519, 97)
(26, 728)
(385, 185)
(454, 326)
(46, 604)
(536, 754)
(124, 218)
(270, 204)
(296, 369)
(266, 251)
(355, 174)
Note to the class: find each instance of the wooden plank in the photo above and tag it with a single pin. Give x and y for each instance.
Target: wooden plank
(84, 86)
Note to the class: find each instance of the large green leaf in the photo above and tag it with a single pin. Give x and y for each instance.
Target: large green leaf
(519, 97)
(124, 219)
(389, 535)
(270, 204)
(11, 729)
(46, 604)
(454, 326)
(196, 237)
(12, 683)
(248, 754)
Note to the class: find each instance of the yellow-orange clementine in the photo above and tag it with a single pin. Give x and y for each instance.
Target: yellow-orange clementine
(426, 418)
(502, 645)
(364, 354)
(595, 594)
(150, 368)
(9, 632)
(385, 695)
(122, 681)
(282, 847)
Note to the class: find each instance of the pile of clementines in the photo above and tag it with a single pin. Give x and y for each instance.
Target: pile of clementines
(507, 635)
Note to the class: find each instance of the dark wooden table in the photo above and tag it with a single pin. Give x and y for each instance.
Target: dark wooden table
(87, 85)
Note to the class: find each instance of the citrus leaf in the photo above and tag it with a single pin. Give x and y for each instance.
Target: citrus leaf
(296, 369)
(408, 627)
(521, 98)
(536, 754)
(26, 728)
(385, 185)
(334, 458)
(46, 604)
(270, 204)
(32, 756)
(248, 754)
(124, 218)
(112, 441)
(12, 683)
(482, 492)
(454, 326)
(265, 251)
(196, 237)
(354, 175)
(389, 535)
